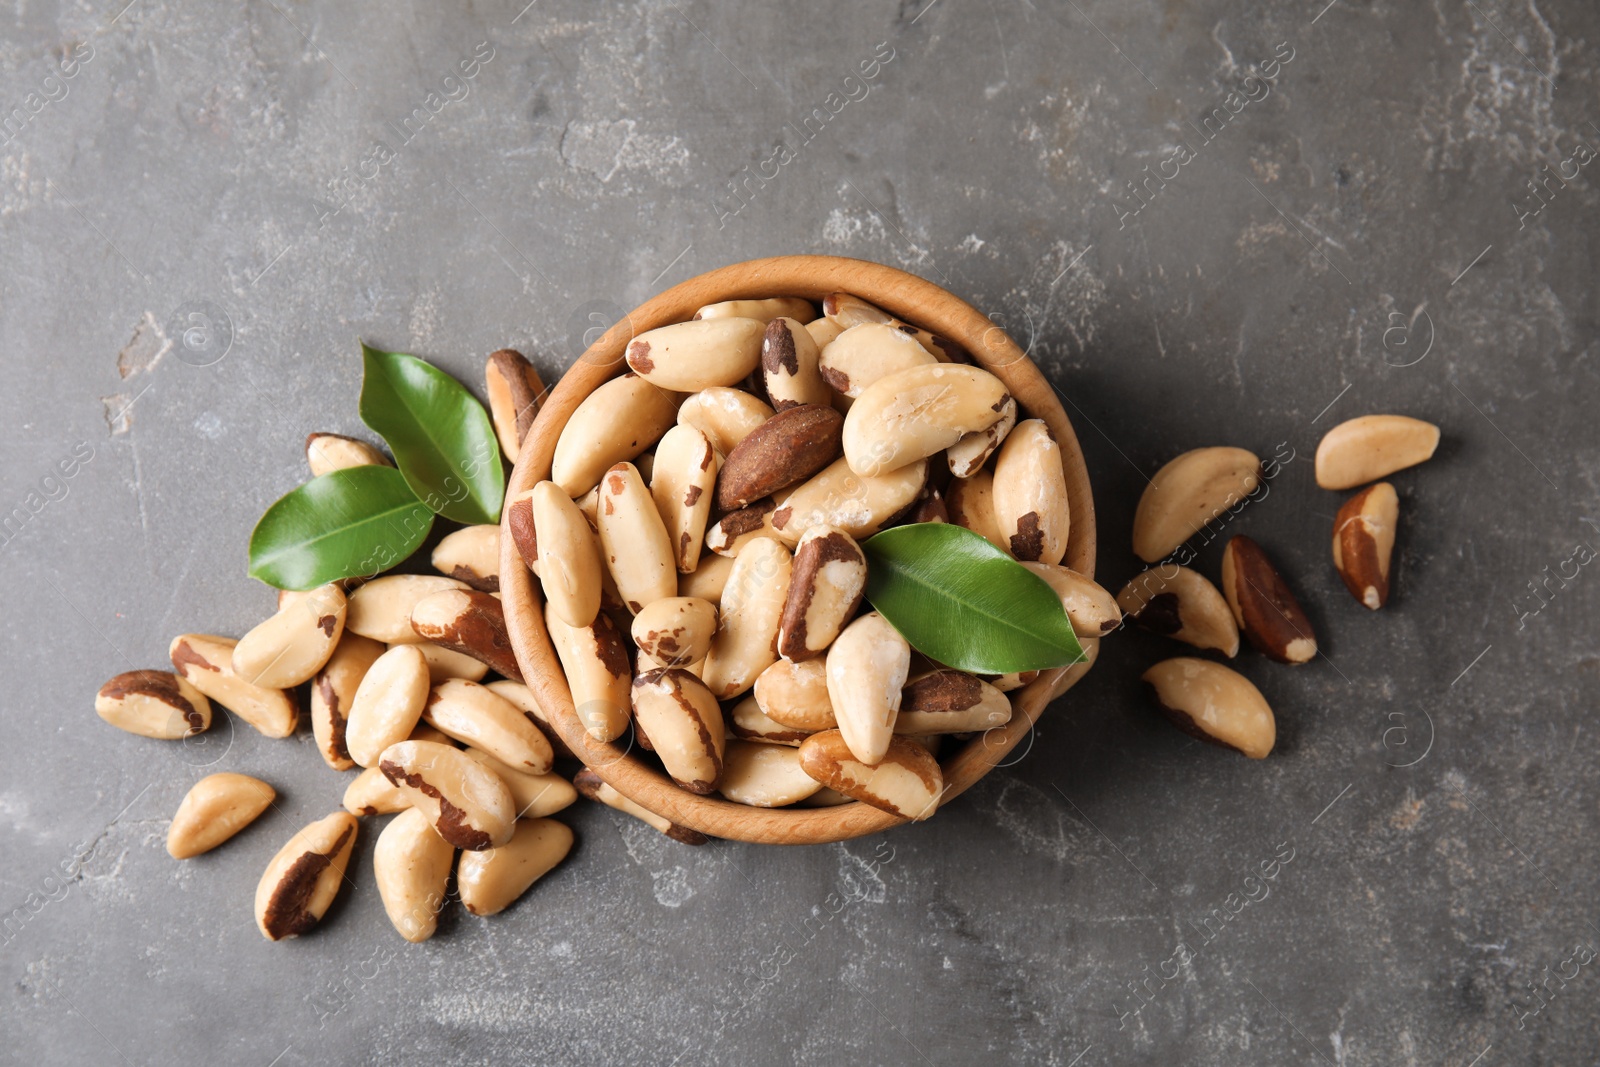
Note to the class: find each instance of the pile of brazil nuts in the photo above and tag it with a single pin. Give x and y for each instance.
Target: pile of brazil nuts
(697, 547)
(1208, 485)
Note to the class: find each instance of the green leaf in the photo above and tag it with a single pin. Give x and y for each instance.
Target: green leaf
(442, 439)
(961, 601)
(356, 521)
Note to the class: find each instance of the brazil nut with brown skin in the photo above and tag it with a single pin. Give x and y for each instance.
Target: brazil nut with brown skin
(381, 608)
(206, 662)
(725, 415)
(682, 482)
(492, 881)
(594, 787)
(468, 622)
(515, 394)
(1215, 704)
(612, 425)
(1268, 614)
(786, 449)
(681, 718)
(333, 691)
(1179, 603)
(463, 800)
(156, 704)
(791, 365)
(594, 659)
(291, 646)
(688, 356)
(1030, 494)
(535, 795)
(328, 452)
(568, 553)
(471, 555)
(634, 541)
(904, 781)
(301, 881)
(752, 606)
(476, 715)
(677, 631)
(829, 580)
(950, 702)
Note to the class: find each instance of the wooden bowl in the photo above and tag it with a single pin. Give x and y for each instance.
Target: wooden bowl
(813, 277)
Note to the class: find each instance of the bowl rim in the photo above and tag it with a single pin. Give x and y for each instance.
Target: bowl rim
(901, 294)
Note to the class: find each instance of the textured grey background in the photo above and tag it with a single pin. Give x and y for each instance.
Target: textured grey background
(216, 158)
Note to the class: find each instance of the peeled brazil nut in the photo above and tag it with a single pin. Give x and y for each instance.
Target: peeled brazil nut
(752, 605)
(950, 702)
(904, 781)
(847, 310)
(569, 555)
(967, 456)
(765, 776)
(863, 354)
(1213, 703)
(725, 415)
(294, 643)
(823, 331)
(1176, 602)
(1363, 543)
(491, 881)
(677, 631)
(912, 414)
(515, 393)
(333, 691)
(303, 878)
(523, 700)
(213, 810)
(857, 504)
(634, 541)
(1370, 447)
(1030, 494)
(328, 452)
(748, 722)
(866, 672)
(1187, 494)
(795, 695)
(381, 609)
(464, 801)
(693, 355)
(830, 577)
(595, 788)
(1268, 615)
(681, 718)
(206, 662)
(468, 622)
(738, 528)
(1091, 609)
(682, 483)
(595, 661)
(370, 793)
(765, 310)
(388, 703)
(446, 663)
(155, 704)
(476, 715)
(471, 555)
(707, 580)
(535, 795)
(613, 424)
(970, 503)
(786, 449)
(411, 864)
(791, 365)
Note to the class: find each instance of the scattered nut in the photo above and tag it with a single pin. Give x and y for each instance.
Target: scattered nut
(206, 662)
(535, 795)
(1213, 703)
(476, 715)
(468, 622)
(765, 776)
(465, 802)
(303, 878)
(491, 881)
(830, 577)
(292, 645)
(213, 810)
(515, 394)
(698, 354)
(592, 786)
(471, 555)
(1176, 602)
(328, 452)
(155, 704)
(388, 703)
(1030, 494)
(411, 865)
(381, 609)
(1189, 493)
(866, 672)
(1092, 610)
(1370, 447)
(1363, 542)
(333, 691)
(1268, 615)
(904, 781)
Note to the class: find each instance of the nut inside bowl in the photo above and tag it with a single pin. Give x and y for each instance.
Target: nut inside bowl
(811, 277)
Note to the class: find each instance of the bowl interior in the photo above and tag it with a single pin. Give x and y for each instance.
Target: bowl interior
(812, 277)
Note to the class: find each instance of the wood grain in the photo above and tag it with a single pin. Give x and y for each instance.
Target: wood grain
(813, 277)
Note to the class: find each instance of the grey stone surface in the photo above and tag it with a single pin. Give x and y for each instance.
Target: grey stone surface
(1351, 241)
